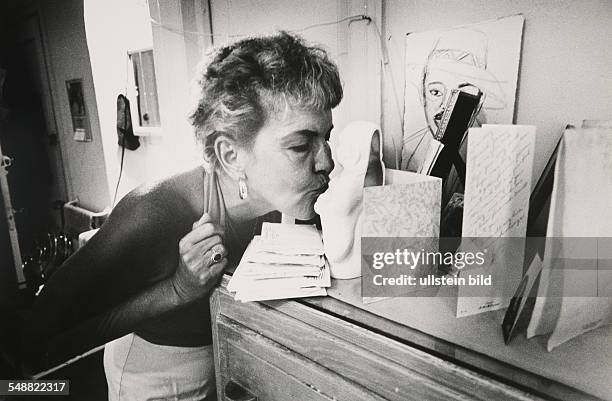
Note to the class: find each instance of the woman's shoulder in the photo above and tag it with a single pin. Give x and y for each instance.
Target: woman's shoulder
(170, 199)
(173, 202)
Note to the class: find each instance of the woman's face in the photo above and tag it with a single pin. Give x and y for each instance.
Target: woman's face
(289, 165)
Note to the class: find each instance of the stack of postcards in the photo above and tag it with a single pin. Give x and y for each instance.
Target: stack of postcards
(285, 261)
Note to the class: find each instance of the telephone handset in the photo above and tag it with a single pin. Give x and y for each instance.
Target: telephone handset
(125, 133)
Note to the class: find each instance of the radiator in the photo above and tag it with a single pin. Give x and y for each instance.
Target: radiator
(78, 219)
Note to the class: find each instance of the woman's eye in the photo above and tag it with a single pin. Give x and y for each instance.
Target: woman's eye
(301, 148)
(435, 92)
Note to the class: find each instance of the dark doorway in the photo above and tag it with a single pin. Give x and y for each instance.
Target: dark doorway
(36, 185)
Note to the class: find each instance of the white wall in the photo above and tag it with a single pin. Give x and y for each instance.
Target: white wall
(69, 59)
(564, 75)
(114, 28)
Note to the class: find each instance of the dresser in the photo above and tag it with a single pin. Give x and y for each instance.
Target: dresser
(337, 348)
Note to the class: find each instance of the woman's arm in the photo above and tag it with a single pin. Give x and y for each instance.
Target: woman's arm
(132, 271)
(162, 297)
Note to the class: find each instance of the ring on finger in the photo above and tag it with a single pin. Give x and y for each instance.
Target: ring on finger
(216, 254)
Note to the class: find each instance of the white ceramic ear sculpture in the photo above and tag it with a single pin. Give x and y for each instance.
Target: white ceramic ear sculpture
(357, 151)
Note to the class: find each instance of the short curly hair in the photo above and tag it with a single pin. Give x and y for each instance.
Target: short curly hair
(247, 81)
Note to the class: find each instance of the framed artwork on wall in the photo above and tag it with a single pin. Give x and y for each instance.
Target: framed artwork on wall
(78, 111)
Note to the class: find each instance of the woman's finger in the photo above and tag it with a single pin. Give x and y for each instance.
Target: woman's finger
(205, 218)
(204, 258)
(215, 270)
(197, 251)
(209, 242)
(215, 254)
(200, 233)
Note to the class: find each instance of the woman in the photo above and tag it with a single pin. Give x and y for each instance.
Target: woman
(263, 118)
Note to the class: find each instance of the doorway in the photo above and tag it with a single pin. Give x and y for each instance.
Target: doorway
(28, 138)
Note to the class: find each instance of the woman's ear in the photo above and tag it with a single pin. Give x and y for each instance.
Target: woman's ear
(231, 157)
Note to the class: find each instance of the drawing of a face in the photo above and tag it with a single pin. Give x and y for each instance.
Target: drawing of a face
(437, 85)
(472, 59)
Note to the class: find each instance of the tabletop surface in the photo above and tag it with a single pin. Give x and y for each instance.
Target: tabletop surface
(582, 363)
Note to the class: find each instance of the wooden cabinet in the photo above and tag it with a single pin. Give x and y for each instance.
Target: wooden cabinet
(292, 350)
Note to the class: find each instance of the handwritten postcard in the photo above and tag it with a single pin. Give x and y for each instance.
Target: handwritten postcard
(407, 207)
(291, 239)
(497, 189)
(255, 254)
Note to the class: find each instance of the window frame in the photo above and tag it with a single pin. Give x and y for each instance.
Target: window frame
(132, 95)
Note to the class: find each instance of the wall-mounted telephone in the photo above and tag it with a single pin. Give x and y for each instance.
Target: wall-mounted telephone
(125, 132)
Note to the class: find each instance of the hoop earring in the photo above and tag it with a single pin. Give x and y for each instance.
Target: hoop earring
(243, 191)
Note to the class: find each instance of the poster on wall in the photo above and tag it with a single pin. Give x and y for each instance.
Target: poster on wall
(480, 58)
(78, 111)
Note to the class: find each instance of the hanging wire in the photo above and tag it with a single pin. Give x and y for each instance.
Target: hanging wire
(352, 18)
(127, 72)
(388, 76)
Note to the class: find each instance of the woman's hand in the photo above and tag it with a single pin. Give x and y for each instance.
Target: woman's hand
(202, 260)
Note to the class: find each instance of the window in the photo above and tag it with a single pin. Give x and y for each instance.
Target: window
(145, 117)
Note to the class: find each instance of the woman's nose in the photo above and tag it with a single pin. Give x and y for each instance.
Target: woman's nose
(323, 159)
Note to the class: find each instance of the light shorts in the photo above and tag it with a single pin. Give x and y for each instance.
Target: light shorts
(137, 370)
